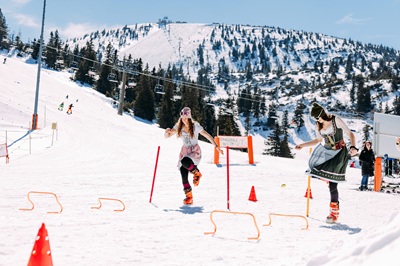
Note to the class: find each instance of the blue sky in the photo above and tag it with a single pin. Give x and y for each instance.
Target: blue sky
(362, 20)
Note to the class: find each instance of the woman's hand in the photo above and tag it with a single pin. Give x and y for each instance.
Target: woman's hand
(353, 151)
(298, 147)
(167, 132)
(219, 150)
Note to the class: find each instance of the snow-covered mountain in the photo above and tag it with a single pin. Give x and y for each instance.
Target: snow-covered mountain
(286, 65)
(96, 153)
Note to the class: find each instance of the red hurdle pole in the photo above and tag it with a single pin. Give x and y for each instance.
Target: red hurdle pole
(154, 176)
(227, 175)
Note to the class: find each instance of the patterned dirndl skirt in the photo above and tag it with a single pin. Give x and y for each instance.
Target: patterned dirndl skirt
(193, 152)
(329, 164)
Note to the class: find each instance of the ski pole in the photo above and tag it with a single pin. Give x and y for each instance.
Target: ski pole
(154, 176)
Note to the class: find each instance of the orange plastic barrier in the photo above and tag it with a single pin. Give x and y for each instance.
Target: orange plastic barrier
(286, 215)
(378, 174)
(245, 213)
(113, 200)
(33, 205)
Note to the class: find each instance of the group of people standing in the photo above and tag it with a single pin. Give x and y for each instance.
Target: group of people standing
(328, 161)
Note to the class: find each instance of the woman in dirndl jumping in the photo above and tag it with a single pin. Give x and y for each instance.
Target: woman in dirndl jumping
(189, 158)
(329, 160)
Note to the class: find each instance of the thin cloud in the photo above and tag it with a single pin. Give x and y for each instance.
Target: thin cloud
(28, 21)
(73, 30)
(349, 19)
(21, 2)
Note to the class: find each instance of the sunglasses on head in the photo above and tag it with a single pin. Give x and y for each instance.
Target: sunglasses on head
(316, 118)
(185, 113)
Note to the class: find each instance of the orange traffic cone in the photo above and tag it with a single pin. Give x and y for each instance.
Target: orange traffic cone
(253, 194)
(307, 193)
(41, 254)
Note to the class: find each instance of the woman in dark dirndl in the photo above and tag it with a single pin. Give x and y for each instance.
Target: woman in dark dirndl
(329, 159)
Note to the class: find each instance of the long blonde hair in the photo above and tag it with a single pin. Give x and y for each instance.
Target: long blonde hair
(180, 127)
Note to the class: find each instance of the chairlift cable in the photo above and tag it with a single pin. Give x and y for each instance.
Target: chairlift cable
(134, 72)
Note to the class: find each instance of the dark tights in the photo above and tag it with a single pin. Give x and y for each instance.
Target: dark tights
(187, 166)
(334, 192)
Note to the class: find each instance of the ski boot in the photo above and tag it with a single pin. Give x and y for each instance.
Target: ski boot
(334, 215)
(196, 176)
(189, 197)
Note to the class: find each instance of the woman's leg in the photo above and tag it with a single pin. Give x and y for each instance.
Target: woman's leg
(186, 186)
(334, 192)
(188, 163)
(185, 179)
(191, 167)
(365, 180)
(334, 205)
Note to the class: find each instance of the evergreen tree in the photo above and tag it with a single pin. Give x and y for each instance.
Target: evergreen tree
(349, 67)
(144, 104)
(226, 120)
(363, 98)
(35, 49)
(256, 103)
(272, 116)
(103, 85)
(396, 106)
(51, 51)
(366, 135)
(190, 98)
(273, 142)
(284, 149)
(4, 43)
(352, 94)
(298, 116)
(166, 114)
(82, 74)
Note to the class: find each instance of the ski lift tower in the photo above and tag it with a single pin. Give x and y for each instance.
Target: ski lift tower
(35, 116)
(123, 66)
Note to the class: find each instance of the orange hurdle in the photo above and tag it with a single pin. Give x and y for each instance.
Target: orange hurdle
(245, 213)
(33, 205)
(110, 199)
(287, 215)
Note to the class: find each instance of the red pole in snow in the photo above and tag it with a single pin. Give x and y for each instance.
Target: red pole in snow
(154, 176)
(227, 175)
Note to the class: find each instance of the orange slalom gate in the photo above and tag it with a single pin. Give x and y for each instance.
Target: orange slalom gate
(286, 215)
(37, 192)
(245, 213)
(113, 200)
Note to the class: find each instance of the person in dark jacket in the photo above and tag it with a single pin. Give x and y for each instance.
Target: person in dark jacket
(367, 160)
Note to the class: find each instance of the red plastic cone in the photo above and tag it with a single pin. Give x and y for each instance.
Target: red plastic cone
(253, 194)
(310, 194)
(41, 254)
